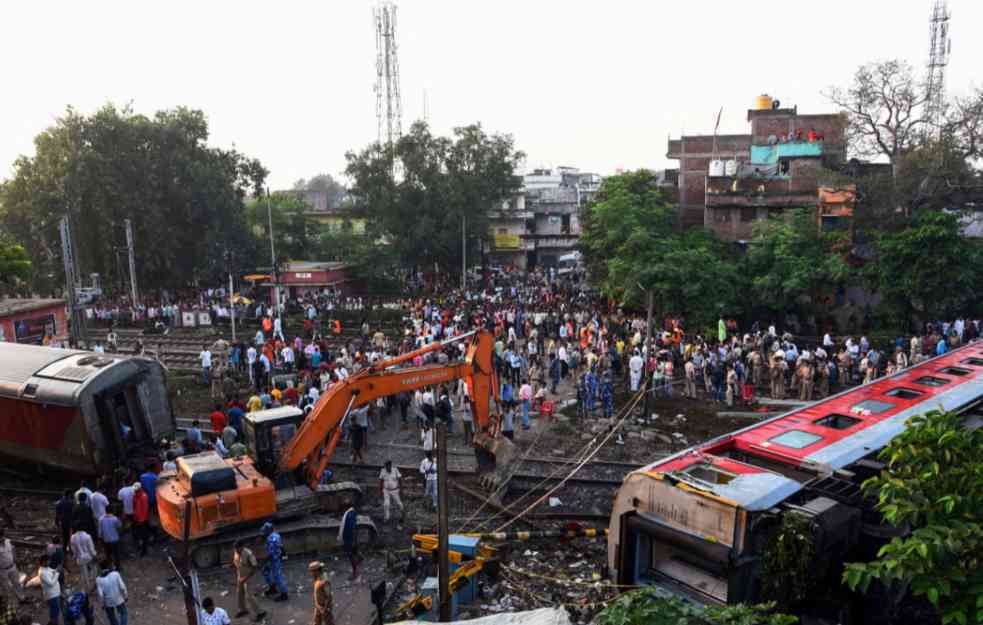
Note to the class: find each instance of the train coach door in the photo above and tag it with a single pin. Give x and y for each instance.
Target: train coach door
(121, 418)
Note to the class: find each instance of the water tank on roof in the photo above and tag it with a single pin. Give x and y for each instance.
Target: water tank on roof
(730, 168)
(716, 168)
(762, 102)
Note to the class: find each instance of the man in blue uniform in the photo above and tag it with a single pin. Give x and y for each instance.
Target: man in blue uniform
(273, 567)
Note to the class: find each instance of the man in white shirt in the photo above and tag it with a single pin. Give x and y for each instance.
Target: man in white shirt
(428, 469)
(125, 495)
(287, 353)
(389, 483)
(85, 555)
(206, 364)
(98, 502)
(112, 593)
(278, 328)
(635, 364)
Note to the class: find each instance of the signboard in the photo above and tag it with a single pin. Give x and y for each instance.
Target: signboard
(692, 513)
(204, 319)
(507, 242)
(187, 320)
(34, 330)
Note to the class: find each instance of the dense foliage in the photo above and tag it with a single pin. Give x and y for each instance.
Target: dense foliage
(645, 607)
(185, 199)
(933, 484)
(417, 193)
(15, 266)
(632, 245)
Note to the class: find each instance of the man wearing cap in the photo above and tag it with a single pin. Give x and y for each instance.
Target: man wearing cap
(389, 483)
(323, 602)
(273, 568)
(245, 565)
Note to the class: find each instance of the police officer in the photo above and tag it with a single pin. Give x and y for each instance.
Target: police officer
(273, 567)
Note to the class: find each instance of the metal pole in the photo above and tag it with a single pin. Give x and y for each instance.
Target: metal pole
(133, 264)
(71, 279)
(443, 563)
(190, 603)
(647, 351)
(464, 252)
(276, 274)
(232, 308)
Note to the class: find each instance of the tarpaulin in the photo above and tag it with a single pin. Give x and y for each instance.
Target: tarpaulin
(769, 154)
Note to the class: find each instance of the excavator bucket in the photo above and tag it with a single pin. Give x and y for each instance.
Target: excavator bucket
(495, 460)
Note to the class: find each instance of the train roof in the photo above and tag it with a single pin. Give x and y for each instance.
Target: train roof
(826, 435)
(49, 374)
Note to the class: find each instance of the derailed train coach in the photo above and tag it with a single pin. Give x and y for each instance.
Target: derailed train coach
(697, 524)
(81, 412)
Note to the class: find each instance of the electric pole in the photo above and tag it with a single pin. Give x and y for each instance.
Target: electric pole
(133, 264)
(71, 280)
(464, 252)
(443, 563)
(276, 271)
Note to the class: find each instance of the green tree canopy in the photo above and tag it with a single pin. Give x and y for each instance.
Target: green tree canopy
(934, 485)
(645, 607)
(15, 266)
(928, 270)
(632, 245)
(791, 264)
(417, 194)
(185, 199)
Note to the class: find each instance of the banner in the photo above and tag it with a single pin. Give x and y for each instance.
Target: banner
(507, 242)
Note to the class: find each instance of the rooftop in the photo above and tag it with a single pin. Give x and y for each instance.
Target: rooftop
(13, 306)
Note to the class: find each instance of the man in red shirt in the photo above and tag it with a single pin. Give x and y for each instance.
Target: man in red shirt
(141, 518)
(292, 395)
(218, 419)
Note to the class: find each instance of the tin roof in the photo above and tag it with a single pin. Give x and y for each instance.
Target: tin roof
(13, 306)
(19, 362)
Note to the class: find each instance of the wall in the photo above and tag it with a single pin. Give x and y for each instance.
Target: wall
(56, 309)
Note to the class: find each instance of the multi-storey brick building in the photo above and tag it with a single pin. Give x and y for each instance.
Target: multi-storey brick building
(728, 182)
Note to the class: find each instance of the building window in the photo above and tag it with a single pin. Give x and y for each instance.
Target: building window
(748, 213)
(721, 216)
(503, 230)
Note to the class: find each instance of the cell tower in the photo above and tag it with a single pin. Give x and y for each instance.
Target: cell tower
(938, 58)
(388, 108)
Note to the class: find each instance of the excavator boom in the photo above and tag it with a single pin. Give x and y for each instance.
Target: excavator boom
(317, 436)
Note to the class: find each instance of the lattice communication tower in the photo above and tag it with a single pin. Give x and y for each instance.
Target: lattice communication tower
(938, 58)
(388, 107)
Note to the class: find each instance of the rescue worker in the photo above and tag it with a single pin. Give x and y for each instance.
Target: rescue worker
(428, 469)
(245, 564)
(390, 481)
(823, 390)
(757, 367)
(276, 586)
(732, 390)
(806, 375)
(690, 379)
(635, 365)
(323, 602)
(778, 367)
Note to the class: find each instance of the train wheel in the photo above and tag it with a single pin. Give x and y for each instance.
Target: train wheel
(206, 556)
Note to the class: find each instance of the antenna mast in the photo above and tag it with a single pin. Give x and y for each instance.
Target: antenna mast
(938, 57)
(388, 106)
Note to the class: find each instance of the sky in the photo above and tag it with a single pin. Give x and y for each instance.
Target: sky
(589, 84)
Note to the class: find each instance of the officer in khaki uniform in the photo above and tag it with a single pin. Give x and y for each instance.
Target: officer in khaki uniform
(690, 369)
(323, 602)
(778, 367)
(806, 373)
(245, 563)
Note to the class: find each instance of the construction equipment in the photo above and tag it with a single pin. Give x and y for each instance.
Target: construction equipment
(280, 479)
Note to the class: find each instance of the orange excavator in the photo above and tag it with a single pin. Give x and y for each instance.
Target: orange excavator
(213, 501)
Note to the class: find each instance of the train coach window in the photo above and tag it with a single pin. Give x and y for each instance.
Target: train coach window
(796, 439)
(709, 473)
(837, 421)
(927, 380)
(976, 362)
(903, 393)
(872, 406)
(954, 371)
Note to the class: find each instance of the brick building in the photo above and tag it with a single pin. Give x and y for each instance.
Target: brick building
(33, 320)
(775, 168)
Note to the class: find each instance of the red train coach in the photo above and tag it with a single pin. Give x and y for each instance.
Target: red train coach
(695, 523)
(78, 411)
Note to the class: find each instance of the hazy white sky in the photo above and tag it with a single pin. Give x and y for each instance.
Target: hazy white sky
(593, 84)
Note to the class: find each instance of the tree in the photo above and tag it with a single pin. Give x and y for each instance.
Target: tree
(886, 109)
(926, 271)
(417, 195)
(185, 199)
(646, 607)
(293, 230)
(631, 246)
(933, 484)
(791, 264)
(15, 266)
(323, 182)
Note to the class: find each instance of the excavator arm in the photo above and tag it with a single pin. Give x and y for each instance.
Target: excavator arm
(318, 435)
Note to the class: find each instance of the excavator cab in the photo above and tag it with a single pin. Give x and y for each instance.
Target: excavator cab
(267, 432)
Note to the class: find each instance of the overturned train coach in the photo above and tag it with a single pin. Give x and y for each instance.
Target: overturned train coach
(78, 411)
(697, 523)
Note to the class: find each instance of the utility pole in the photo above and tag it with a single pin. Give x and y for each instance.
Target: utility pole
(443, 563)
(276, 272)
(232, 308)
(133, 264)
(647, 351)
(464, 252)
(71, 280)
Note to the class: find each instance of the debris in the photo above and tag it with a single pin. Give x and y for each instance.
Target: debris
(555, 501)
